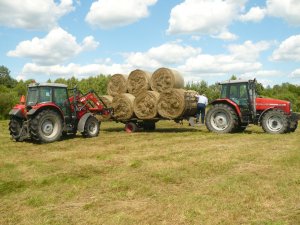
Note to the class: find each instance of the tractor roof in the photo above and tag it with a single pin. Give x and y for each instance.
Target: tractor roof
(47, 85)
(237, 81)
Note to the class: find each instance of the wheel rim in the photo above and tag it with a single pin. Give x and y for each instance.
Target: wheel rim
(219, 120)
(274, 123)
(49, 128)
(92, 128)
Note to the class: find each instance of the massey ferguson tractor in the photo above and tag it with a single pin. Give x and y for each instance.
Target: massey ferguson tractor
(48, 113)
(240, 106)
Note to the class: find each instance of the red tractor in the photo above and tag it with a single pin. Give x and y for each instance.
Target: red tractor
(49, 113)
(240, 106)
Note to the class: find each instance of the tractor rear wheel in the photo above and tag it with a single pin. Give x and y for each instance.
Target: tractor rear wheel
(15, 128)
(221, 118)
(46, 126)
(91, 127)
(275, 122)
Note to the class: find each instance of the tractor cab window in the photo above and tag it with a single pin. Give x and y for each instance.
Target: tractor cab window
(32, 96)
(61, 99)
(45, 94)
(239, 94)
(224, 91)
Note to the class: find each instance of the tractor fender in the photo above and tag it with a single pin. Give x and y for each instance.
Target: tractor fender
(17, 113)
(82, 121)
(40, 107)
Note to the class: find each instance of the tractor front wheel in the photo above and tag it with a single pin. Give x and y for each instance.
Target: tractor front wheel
(275, 122)
(221, 118)
(46, 126)
(91, 127)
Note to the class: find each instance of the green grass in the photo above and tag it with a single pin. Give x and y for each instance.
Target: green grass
(175, 175)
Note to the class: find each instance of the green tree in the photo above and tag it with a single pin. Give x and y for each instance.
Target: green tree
(5, 78)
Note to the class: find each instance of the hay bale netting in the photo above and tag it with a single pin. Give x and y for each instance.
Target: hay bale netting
(117, 84)
(164, 79)
(123, 106)
(107, 99)
(177, 103)
(145, 105)
(138, 81)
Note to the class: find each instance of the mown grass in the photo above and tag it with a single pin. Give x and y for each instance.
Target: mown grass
(175, 175)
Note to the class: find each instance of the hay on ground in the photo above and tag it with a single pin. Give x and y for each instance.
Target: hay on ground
(123, 106)
(177, 103)
(107, 99)
(164, 79)
(138, 81)
(145, 105)
(117, 84)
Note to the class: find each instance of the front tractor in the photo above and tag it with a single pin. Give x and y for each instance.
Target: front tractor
(240, 106)
(48, 113)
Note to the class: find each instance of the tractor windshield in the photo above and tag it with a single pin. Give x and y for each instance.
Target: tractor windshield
(32, 96)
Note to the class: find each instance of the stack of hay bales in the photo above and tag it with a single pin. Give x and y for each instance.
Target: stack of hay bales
(145, 96)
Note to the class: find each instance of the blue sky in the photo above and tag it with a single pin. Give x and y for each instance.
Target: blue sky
(203, 39)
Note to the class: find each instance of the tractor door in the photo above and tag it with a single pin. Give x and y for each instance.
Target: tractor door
(61, 99)
(239, 93)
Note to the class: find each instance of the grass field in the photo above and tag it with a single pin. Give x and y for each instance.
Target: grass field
(175, 175)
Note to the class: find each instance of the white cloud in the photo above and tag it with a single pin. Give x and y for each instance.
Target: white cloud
(289, 49)
(113, 13)
(287, 9)
(57, 47)
(164, 55)
(79, 71)
(33, 14)
(255, 14)
(241, 59)
(295, 74)
(226, 36)
(203, 17)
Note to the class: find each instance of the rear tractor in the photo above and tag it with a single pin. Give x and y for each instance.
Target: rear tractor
(239, 106)
(48, 113)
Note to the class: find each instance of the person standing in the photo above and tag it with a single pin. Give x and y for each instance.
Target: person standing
(201, 105)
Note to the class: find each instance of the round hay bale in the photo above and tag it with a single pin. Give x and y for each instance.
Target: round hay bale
(123, 106)
(164, 79)
(138, 81)
(177, 103)
(107, 99)
(145, 105)
(117, 84)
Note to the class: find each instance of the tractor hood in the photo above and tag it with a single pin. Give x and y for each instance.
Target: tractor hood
(266, 103)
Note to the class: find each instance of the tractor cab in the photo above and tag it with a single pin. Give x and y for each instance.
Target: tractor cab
(241, 93)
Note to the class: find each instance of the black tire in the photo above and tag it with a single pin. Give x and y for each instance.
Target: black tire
(149, 126)
(46, 126)
(131, 127)
(221, 118)
(15, 127)
(275, 122)
(91, 127)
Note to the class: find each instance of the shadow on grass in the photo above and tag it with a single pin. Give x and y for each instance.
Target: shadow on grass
(157, 130)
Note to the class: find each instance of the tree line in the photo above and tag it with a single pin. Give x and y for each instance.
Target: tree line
(11, 89)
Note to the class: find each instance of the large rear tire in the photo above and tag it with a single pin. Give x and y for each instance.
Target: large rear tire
(15, 128)
(221, 118)
(46, 126)
(275, 122)
(91, 127)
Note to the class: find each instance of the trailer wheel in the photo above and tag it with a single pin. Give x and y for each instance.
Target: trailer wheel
(275, 122)
(46, 126)
(91, 127)
(221, 118)
(131, 127)
(15, 125)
